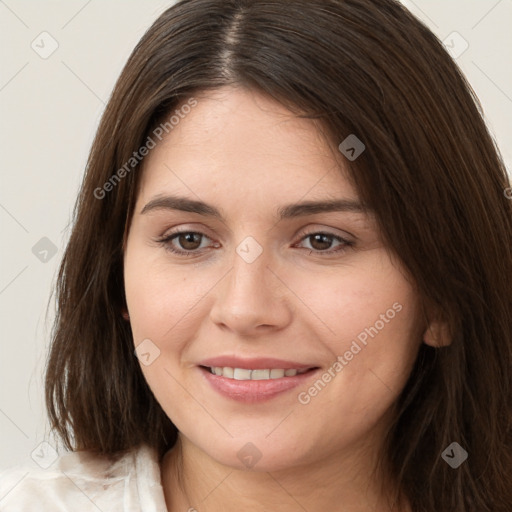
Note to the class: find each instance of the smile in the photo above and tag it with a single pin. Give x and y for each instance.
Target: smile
(252, 385)
(258, 374)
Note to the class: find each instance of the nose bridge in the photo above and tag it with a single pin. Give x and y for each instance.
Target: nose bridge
(250, 272)
(250, 296)
(248, 283)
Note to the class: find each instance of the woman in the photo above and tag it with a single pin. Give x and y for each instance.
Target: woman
(288, 282)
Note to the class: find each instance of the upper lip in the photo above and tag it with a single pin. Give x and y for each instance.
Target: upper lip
(255, 363)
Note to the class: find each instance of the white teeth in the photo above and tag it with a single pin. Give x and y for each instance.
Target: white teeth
(260, 374)
(226, 372)
(242, 374)
(276, 374)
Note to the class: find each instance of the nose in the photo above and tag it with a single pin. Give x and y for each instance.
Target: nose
(251, 300)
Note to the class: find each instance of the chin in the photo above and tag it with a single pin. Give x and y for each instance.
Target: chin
(256, 456)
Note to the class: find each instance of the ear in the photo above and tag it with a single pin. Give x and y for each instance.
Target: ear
(124, 313)
(437, 334)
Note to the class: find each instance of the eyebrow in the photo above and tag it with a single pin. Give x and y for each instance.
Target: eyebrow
(285, 212)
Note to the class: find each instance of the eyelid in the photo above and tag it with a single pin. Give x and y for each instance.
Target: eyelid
(187, 228)
(345, 235)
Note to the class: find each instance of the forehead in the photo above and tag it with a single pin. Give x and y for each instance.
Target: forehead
(238, 141)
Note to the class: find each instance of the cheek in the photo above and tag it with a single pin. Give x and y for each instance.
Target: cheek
(366, 319)
(371, 300)
(160, 299)
(378, 356)
(163, 306)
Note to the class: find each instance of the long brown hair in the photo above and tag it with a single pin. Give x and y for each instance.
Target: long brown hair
(431, 173)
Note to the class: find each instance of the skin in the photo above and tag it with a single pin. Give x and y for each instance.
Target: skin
(247, 155)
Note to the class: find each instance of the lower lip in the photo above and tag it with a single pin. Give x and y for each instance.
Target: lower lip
(251, 391)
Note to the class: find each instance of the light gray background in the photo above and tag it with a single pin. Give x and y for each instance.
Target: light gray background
(49, 111)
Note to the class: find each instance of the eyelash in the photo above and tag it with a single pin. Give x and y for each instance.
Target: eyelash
(166, 243)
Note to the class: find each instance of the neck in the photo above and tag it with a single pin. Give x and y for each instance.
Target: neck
(193, 480)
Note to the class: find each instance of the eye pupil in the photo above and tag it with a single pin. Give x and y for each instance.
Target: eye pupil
(190, 241)
(325, 241)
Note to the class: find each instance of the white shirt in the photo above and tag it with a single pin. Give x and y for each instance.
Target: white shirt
(85, 482)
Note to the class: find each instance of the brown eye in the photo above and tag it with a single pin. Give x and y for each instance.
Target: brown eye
(325, 244)
(189, 241)
(320, 241)
(186, 243)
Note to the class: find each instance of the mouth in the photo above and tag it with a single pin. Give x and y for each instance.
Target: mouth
(250, 385)
(255, 374)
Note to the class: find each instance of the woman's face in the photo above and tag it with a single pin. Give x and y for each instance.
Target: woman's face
(265, 277)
